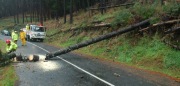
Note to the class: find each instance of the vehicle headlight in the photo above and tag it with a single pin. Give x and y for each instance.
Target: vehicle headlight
(33, 35)
(44, 34)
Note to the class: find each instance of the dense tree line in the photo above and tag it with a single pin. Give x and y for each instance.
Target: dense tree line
(42, 10)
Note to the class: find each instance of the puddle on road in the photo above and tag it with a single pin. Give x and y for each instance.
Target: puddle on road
(50, 65)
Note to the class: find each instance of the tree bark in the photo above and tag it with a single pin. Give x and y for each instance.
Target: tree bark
(41, 17)
(71, 11)
(172, 30)
(64, 11)
(159, 24)
(173, 46)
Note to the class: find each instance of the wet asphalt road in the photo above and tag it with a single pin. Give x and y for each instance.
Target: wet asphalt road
(74, 70)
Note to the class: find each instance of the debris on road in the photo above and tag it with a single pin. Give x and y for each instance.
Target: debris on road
(30, 58)
(115, 74)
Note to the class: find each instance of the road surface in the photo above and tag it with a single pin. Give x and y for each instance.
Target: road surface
(77, 70)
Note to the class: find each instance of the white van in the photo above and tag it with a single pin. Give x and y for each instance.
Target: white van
(36, 33)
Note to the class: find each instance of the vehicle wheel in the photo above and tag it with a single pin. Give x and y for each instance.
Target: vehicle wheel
(28, 38)
(31, 39)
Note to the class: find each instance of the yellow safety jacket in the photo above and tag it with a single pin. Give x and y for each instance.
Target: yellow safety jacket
(27, 27)
(12, 33)
(22, 35)
(15, 36)
(13, 46)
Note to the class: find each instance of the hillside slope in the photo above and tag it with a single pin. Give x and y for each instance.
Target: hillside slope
(146, 51)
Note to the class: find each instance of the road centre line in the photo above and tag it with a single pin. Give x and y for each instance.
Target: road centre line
(76, 66)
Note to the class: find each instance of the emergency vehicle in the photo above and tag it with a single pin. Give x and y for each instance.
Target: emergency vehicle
(35, 32)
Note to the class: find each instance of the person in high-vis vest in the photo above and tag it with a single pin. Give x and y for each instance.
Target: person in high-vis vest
(10, 50)
(12, 33)
(15, 37)
(10, 46)
(22, 36)
(27, 27)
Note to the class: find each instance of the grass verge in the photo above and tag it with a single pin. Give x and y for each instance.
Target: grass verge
(147, 53)
(7, 75)
(7, 72)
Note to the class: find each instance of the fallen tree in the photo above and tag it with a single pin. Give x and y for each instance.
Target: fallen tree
(92, 26)
(160, 24)
(87, 28)
(96, 22)
(172, 45)
(95, 40)
(172, 30)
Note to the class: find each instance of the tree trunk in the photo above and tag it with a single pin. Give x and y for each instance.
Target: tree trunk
(162, 2)
(88, 7)
(172, 30)
(64, 11)
(41, 18)
(71, 11)
(14, 19)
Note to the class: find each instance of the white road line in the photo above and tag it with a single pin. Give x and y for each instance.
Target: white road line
(77, 67)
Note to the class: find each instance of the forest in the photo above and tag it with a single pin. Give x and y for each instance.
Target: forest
(42, 10)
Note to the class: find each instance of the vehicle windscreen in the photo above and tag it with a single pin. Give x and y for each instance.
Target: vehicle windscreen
(5, 31)
(38, 29)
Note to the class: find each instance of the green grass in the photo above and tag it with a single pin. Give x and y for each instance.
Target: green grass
(122, 17)
(2, 46)
(172, 59)
(143, 11)
(72, 41)
(172, 9)
(6, 22)
(104, 16)
(7, 72)
(151, 53)
(7, 76)
(98, 50)
(83, 24)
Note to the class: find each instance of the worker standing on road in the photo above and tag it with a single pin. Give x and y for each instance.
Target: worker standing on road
(27, 27)
(12, 33)
(15, 37)
(23, 37)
